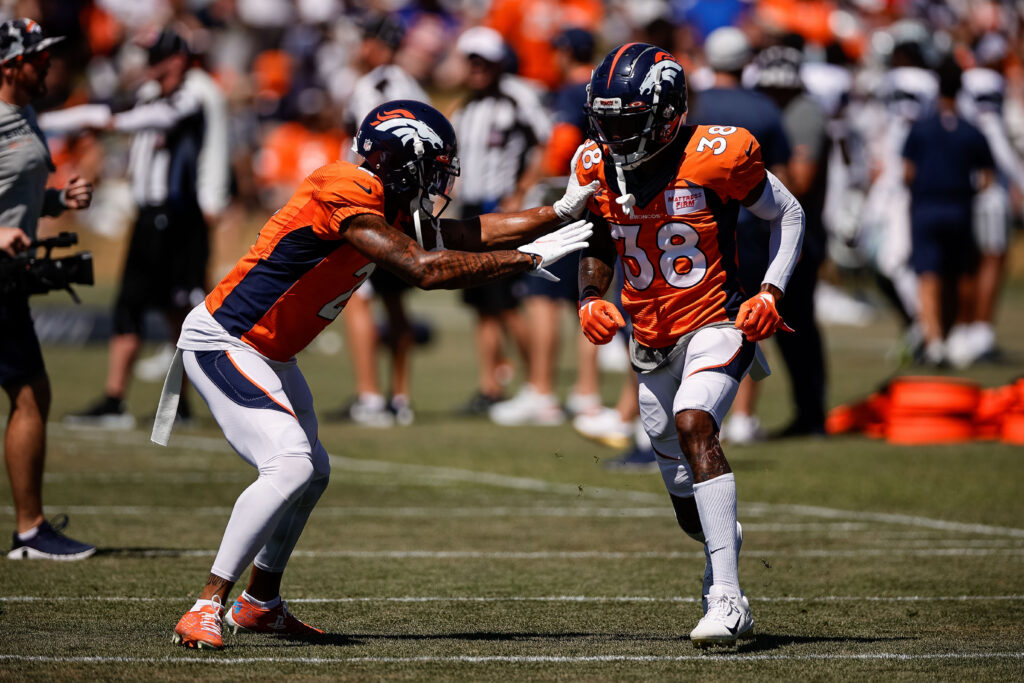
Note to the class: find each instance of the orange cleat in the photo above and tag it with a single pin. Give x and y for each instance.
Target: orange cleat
(200, 628)
(245, 616)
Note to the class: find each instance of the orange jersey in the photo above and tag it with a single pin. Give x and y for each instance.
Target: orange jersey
(301, 271)
(679, 250)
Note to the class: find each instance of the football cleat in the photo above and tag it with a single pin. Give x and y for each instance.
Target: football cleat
(245, 616)
(201, 628)
(728, 620)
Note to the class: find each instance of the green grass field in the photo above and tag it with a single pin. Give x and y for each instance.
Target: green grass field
(453, 549)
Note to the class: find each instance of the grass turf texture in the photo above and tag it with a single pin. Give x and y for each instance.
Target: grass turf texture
(455, 549)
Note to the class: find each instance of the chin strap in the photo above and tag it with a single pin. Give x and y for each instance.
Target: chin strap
(416, 208)
(627, 201)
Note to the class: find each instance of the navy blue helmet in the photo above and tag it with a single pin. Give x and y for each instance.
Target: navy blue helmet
(412, 148)
(636, 101)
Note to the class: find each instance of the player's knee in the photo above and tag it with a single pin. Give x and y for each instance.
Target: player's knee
(687, 517)
(289, 473)
(696, 430)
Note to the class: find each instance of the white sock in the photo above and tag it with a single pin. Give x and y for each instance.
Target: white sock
(204, 603)
(30, 534)
(269, 604)
(716, 505)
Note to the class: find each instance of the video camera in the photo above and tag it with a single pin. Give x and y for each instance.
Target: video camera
(39, 275)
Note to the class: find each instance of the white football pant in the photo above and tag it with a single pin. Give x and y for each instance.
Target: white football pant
(266, 411)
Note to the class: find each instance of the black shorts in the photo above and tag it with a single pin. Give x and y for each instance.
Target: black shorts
(496, 297)
(165, 267)
(567, 289)
(21, 359)
(942, 242)
(386, 282)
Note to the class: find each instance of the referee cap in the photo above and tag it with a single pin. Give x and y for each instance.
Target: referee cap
(21, 37)
(483, 42)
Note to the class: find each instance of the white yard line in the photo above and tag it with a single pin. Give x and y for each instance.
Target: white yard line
(590, 554)
(737, 657)
(543, 598)
(452, 474)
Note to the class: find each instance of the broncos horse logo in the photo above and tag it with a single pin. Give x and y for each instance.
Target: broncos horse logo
(406, 127)
(664, 69)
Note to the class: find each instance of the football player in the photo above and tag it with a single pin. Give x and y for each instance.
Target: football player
(239, 346)
(666, 205)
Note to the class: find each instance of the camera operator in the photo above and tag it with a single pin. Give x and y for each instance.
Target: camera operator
(25, 164)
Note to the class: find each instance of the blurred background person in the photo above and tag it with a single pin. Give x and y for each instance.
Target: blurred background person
(904, 92)
(777, 74)
(25, 165)
(383, 81)
(946, 161)
(501, 126)
(544, 301)
(980, 102)
(165, 265)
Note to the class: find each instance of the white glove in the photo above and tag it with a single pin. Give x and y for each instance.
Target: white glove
(572, 203)
(557, 244)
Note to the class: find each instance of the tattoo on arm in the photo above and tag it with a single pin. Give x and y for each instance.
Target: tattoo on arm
(396, 251)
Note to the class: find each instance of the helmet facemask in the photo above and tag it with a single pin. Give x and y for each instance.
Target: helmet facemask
(434, 178)
(633, 134)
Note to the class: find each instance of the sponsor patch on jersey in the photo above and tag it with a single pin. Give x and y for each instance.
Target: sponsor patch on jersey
(681, 201)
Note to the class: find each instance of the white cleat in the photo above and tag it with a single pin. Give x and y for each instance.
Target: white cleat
(728, 620)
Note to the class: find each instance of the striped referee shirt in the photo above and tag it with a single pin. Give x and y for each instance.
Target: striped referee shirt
(167, 137)
(496, 131)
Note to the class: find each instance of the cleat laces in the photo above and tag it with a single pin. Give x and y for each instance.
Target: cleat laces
(721, 607)
(209, 620)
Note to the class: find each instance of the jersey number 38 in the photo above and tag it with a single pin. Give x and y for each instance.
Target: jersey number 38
(681, 263)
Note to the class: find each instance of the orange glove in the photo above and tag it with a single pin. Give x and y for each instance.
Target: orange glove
(600, 320)
(758, 318)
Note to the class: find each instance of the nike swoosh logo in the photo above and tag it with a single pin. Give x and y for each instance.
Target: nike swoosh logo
(735, 627)
(749, 149)
(369, 191)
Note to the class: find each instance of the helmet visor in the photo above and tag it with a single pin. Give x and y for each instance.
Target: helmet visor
(623, 132)
(438, 180)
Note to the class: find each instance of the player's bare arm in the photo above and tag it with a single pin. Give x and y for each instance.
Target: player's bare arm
(498, 230)
(506, 230)
(445, 269)
(600, 320)
(597, 265)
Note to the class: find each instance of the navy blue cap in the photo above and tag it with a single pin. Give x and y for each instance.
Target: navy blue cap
(578, 41)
